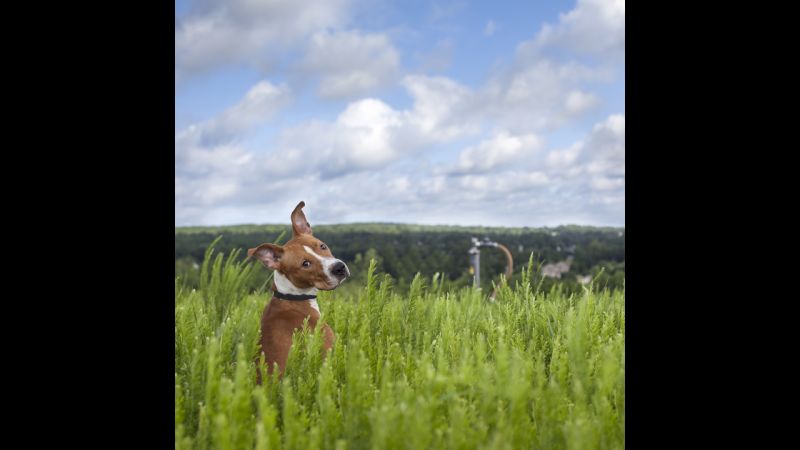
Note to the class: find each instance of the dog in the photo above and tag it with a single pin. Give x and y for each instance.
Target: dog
(302, 267)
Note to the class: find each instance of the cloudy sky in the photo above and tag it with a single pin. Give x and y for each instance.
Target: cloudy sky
(440, 112)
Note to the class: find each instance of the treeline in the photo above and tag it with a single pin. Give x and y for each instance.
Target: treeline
(404, 250)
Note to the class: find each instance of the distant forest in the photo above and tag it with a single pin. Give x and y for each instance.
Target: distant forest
(404, 250)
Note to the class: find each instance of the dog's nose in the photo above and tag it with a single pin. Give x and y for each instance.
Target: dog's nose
(339, 269)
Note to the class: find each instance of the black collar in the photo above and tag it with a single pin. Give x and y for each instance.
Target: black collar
(293, 297)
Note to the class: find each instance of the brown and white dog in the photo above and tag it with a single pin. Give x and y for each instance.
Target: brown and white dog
(303, 266)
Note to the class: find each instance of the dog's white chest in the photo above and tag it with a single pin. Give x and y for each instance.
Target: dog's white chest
(314, 304)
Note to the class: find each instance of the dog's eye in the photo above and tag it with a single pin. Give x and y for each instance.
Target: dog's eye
(306, 263)
(323, 246)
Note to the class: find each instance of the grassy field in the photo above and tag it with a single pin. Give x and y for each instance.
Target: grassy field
(431, 369)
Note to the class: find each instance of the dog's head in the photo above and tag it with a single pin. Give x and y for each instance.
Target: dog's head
(305, 261)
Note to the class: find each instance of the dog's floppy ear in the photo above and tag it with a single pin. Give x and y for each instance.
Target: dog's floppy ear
(268, 254)
(299, 223)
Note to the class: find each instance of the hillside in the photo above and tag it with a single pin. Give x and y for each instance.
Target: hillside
(402, 250)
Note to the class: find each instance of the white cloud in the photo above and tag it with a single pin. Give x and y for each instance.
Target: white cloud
(369, 134)
(420, 198)
(214, 170)
(358, 152)
(259, 104)
(441, 107)
(600, 156)
(593, 27)
(363, 136)
(368, 162)
(539, 94)
(583, 181)
(605, 147)
(578, 102)
(516, 181)
(534, 93)
(351, 62)
(211, 166)
(497, 152)
(210, 146)
(565, 157)
(247, 31)
(602, 183)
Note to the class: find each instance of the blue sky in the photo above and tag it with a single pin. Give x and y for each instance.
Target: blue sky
(452, 112)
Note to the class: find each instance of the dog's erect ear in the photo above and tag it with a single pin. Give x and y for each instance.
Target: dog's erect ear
(299, 223)
(268, 254)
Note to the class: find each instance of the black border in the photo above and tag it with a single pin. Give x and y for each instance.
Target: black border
(93, 204)
(684, 353)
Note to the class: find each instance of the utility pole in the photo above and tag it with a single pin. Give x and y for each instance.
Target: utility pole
(475, 259)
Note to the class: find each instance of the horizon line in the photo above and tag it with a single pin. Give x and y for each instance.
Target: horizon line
(405, 224)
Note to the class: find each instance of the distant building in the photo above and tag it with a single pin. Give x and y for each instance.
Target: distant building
(555, 270)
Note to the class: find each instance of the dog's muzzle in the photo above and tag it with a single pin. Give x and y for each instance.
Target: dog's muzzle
(340, 270)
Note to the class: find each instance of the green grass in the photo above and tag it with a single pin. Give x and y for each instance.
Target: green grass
(430, 369)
